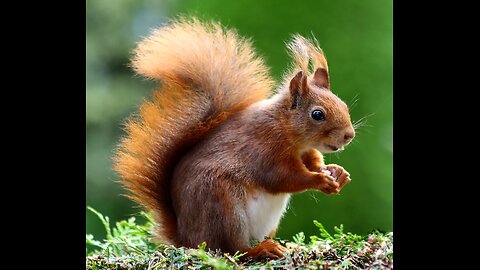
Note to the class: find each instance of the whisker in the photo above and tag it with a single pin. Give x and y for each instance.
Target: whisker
(362, 122)
(354, 101)
(364, 117)
(361, 125)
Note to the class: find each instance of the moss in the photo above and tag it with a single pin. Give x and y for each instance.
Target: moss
(129, 246)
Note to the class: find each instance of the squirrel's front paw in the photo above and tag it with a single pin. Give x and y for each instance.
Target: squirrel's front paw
(342, 177)
(326, 183)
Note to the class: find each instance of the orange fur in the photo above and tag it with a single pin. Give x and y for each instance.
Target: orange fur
(307, 56)
(209, 141)
(313, 160)
(207, 73)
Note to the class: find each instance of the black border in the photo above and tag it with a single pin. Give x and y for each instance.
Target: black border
(46, 122)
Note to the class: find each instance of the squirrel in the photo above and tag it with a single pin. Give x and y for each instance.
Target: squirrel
(216, 153)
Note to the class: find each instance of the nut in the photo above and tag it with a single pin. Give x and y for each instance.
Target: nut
(329, 171)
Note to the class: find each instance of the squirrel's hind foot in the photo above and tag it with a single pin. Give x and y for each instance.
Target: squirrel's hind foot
(266, 249)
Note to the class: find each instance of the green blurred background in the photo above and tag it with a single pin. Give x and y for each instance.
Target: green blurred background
(356, 37)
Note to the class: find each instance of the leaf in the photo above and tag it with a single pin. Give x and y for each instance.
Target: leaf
(91, 241)
(346, 263)
(339, 230)
(299, 238)
(105, 221)
(202, 246)
(323, 232)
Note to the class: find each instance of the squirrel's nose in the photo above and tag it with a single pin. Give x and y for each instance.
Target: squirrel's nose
(349, 136)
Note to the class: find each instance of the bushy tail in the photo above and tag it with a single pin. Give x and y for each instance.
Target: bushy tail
(206, 73)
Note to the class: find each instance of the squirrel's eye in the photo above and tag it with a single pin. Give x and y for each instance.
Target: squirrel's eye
(318, 115)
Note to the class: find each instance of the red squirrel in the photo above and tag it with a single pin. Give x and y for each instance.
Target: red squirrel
(214, 155)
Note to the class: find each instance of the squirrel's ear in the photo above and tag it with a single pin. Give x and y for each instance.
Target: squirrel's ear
(298, 88)
(298, 85)
(321, 79)
(295, 82)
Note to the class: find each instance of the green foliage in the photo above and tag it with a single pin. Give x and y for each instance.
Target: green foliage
(323, 233)
(299, 238)
(126, 237)
(130, 246)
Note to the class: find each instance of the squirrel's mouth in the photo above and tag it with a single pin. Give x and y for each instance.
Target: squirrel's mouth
(333, 148)
(329, 148)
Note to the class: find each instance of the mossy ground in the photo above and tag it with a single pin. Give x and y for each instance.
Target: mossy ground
(128, 246)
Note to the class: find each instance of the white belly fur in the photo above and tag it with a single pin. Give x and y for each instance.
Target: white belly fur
(264, 212)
